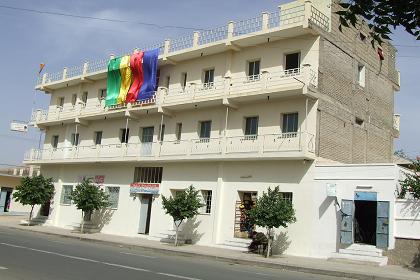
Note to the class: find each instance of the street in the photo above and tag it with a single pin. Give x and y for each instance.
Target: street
(26, 255)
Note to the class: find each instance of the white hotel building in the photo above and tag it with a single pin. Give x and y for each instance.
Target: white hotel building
(282, 99)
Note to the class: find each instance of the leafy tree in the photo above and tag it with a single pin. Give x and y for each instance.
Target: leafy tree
(381, 15)
(33, 191)
(411, 183)
(184, 205)
(400, 153)
(89, 197)
(271, 211)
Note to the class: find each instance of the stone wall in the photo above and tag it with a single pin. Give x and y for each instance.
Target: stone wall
(405, 253)
(342, 99)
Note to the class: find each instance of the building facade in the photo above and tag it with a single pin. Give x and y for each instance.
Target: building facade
(239, 108)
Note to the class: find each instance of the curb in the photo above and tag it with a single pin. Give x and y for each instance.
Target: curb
(295, 268)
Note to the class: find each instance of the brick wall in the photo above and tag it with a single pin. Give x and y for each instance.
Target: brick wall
(342, 99)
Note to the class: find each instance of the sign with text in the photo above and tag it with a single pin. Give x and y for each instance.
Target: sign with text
(146, 188)
(97, 179)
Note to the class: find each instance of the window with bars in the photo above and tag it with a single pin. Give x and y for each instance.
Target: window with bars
(292, 61)
(290, 123)
(124, 134)
(148, 174)
(75, 139)
(114, 194)
(207, 198)
(287, 196)
(66, 194)
(54, 141)
(251, 126)
(254, 70)
(208, 81)
(98, 137)
(178, 131)
(205, 129)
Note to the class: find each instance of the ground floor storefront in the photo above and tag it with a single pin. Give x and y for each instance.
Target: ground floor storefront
(336, 205)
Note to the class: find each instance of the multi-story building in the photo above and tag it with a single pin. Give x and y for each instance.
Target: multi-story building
(238, 108)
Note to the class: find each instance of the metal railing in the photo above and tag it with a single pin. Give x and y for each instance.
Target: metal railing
(284, 17)
(21, 171)
(176, 94)
(257, 145)
(247, 26)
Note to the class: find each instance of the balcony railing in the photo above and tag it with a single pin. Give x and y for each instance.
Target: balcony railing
(221, 87)
(272, 145)
(288, 15)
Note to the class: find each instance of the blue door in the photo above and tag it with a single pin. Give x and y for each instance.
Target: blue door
(382, 224)
(346, 232)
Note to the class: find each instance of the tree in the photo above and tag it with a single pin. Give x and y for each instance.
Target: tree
(411, 183)
(271, 211)
(89, 197)
(381, 15)
(184, 205)
(33, 191)
(401, 153)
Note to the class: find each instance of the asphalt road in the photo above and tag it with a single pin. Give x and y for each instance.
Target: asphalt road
(33, 256)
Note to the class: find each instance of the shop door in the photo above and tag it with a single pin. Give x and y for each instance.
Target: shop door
(382, 224)
(3, 195)
(346, 232)
(145, 211)
(147, 141)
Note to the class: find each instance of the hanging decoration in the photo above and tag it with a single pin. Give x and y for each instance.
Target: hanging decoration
(132, 78)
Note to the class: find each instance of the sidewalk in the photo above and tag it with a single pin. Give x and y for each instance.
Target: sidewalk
(309, 265)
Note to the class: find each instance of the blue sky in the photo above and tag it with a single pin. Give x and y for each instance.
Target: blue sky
(28, 39)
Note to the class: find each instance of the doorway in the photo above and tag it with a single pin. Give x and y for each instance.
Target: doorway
(146, 201)
(365, 213)
(45, 209)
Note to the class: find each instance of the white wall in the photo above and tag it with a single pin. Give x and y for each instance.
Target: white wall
(407, 218)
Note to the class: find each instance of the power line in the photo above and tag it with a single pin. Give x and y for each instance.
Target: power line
(96, 18)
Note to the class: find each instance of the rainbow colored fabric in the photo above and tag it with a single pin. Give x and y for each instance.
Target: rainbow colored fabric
(132, 78)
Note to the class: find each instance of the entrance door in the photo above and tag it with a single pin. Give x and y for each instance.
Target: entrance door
(3, 195)
(145, 211)
(365, 222)
(382, 224)
(147, 141)
(346, 232)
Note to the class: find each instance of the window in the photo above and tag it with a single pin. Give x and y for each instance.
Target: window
(147, 134)
(148, 174)
(54, 141)
(251, 126)
(292, 62)
(60, 102)
(102, 94)
(98, 137)
(75, 139)
(362, 37)
(359, 121)
(168, 81)
(161, 132)
(290, 124)
(205, 129)
(207, 196)
(208, 79)
(287, 196)
(84, 98)
(254, 70)
(183, 80)
(66, 194)
(114, 195)
(361, 74)
(178, 131)
(74, 100)
(124, 134)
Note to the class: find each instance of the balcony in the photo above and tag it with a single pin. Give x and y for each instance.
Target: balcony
(277, 84)
(290, 20)
(298, 145)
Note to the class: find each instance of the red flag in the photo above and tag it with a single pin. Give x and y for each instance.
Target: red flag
(41, 67)
(381, 54)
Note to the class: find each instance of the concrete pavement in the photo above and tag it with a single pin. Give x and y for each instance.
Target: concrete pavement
(308, 265)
